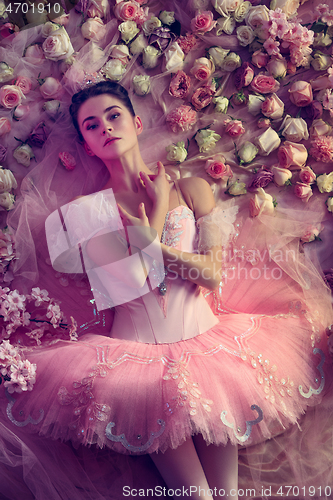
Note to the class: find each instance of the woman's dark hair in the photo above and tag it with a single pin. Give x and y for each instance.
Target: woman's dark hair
(99, 88)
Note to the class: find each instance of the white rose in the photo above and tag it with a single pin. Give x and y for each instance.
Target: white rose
(48, 28)
(23, 154)
(114, 69)
(226, 25)
(6, 72)
(329, 204)
(21, 112)
(206, 139)
(128, 30)
(218, 55)
(294, 129)
(254, 104)
(174, 58)
(268, 142)
(58, 46)
(120, 52)
(7, 180)
(141, 84)
(150, 25)
(221, 104)
(319, 127)
(289, 7)
(322, 40)
(167, 17)
(256, 16)
(150, 57)
(261, 203)
(138, 45)
(176, 152)
(226, 7)
(325, 182)
(241, 11)
(231, 62)
(237, 188)
(320, 61)
(94, 29)
(97, 8)
(52, 108)
(7, 201)
(277, 67)
(281, 175)
(247, 152)
(245, 35)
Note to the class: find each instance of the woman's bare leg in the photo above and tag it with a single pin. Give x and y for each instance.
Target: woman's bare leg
(220, 464)
(181, 470)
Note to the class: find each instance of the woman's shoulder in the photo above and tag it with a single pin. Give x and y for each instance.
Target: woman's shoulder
(197, 194)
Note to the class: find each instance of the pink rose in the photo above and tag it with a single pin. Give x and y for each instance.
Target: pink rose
(319, 127)
(281, 175)
(24, 83)
(180, 85)
(311, 234)
(203, 22)
(202, 68)
(97, 8)
(243, 75)
(303, 191)
(261, 203)
(321, 83)
(34, 54)
(300, 93)
(203, 96)
(292, 155)
(21, 112)
(218, 169)
(182, 119)
(8, 29)
(5, 126)
(313, 111)
(291, 68)
(261, 179)
(263, 123)
(307, 175)
(322, 148)
(51, 88)
(234, 128)
(10, 96)
(93, 29)
(272, 107)
(264, 84)
(126, 11)
(67, 160)
(260, 59)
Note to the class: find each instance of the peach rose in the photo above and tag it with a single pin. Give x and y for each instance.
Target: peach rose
(292, 155)
(272, 107)
(24, 83)
(10, 96)
(93, 29)
(260, 59)
(234, 128)
(5, 126)
(303, 191)
(281, 175)
(126, 11)
(294, 129)
(300, 93)
(319, 127)
(202, 68)
(203, 22)
(264, 84)
(51, 88)
(261, 203)
(311, 234)
(307, 175)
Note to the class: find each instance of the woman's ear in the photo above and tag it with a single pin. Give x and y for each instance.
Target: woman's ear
(138, 125)
(88, 150)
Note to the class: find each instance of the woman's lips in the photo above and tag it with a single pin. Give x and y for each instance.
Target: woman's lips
(110, 140)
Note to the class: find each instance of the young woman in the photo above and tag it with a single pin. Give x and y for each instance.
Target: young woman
(173, 379)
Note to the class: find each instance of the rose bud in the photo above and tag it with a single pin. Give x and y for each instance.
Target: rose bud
(234, 127)
(261, 179)
(303, 191)
(243, 75)
(282, 176)
(262, 203)
(38, 136)
(311, 234)
(300, 93)
(20, 112)
(292, 155)
(272, 107)
(307, 175)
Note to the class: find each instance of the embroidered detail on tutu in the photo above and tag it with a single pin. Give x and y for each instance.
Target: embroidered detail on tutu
(122, 439)
(28, 420)
(249, 424)
(322, 377)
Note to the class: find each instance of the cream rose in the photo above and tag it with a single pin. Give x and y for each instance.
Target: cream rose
(202, 68)
(51, 88)
(256, 16)
(48, 28)
(245, 35)
(226, 7)
(329, 204)
(21, 112)
(150, 57)
(218, 55)
(94, 29)
(174, 58)
(176, 152)
(138, 45)
(320, 61)
(237, 188)
(7, 180)
(325, 182)
(97, 8)
(319, 127)
(23, 154)
(150, 25)
(254, 104)
(52, 108)
(167, 17)
(58, 46)
(281, 175)
(241, 11)
(322, 40)
(231, 62)
(141, 84)
(226, 25)
(277, 67)
(206, 139)
(261, 203)
(268, 142)
(6, 72)
(221, 104)
(114, 69)
(289, 7)
(7, 201)
(294, 129)
(200, 4)
(247, 152)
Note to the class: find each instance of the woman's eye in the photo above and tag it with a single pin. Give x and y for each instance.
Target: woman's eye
(91, 127)
(113, 116)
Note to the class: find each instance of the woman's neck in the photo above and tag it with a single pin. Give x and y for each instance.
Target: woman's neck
(125, 173)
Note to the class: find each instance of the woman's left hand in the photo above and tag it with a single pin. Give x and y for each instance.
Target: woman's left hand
(157, 186)
(130, 220)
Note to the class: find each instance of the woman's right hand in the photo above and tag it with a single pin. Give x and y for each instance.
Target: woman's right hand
(157, 187)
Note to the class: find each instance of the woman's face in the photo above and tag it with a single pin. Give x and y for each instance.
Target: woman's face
(108, 128)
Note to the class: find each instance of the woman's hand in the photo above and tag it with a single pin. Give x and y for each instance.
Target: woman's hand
(130, 220)
(157, 187)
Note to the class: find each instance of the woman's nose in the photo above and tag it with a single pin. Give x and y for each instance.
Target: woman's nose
(106, 128)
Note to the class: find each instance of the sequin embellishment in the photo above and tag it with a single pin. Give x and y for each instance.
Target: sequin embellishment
(28, 420)
(122, 439)
(249, 423)
(322, 377)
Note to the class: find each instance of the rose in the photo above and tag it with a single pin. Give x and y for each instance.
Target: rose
(245, 35)
(162, 38)
(289, 7)
(180, 85)
(67, 160)
(311, 234)
(3, 152)
(234, 128)
(260, 59)
(120, 52)
(261, 203)
(202, 68)
(182, 119)
(126, 11)
(150, 25)
(247, 152)
(268, 142)
(226, 25)
(272, 107)
(313, 111)
(23, 154)
(264, 84)
(138, 45)
(203, 96)
(243, 75)
(51, 88)
(320, 61)
(303, 191)
(203, 22)
(325, 182)
(257, 16)
(300, 93)
(167, 17)
(10, 96)
(263, 123)
(319, 127)
(282, 176)
(38, 136)
(7, 180)
(292, 155)
(254, 104)
(218, 169)
(231, 62)
(6, 72)
(97, 8)
(63, 19)
(114, 69)
(206, 139)
(24, 83)
(187, 42)
(176, 152)
(21, 112)
(58, 46)
(236, 189)
(48, 28)
(218, 54)
(322, 148)
(5, 126)
(141, 84)
(200, 4)
(307, 175)
(261, 179)
(321, 83)
(322, 40)
(294, 129)
(226, 7)
(329, 204)
(239, 98)
(8, 29)
(94, 29)
(150, 57)
(241, 11)
(7, 201)
(221, 104)
(277, 67)
(52, 108)
(174, 58)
